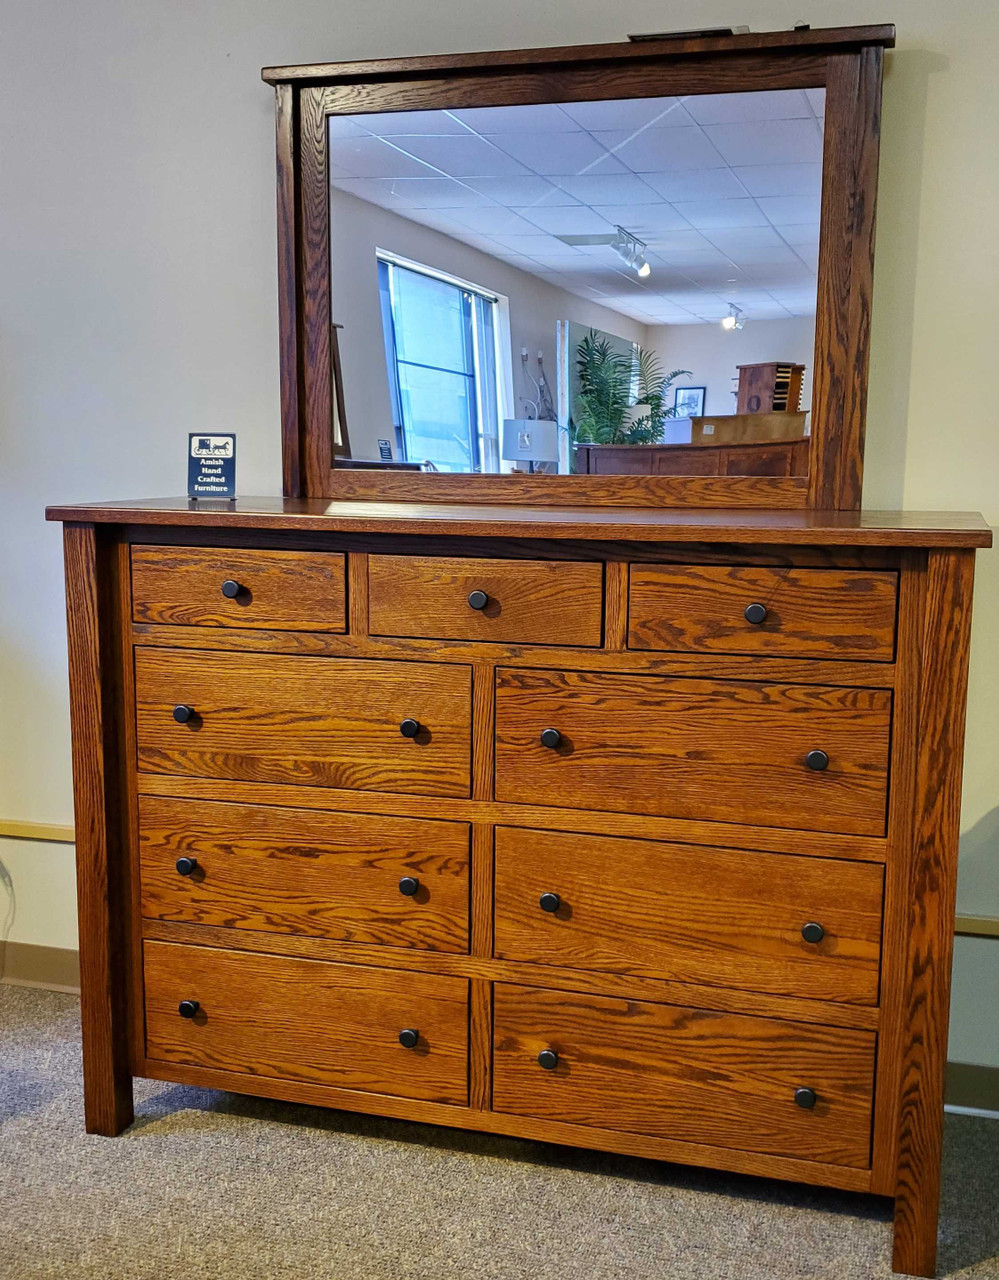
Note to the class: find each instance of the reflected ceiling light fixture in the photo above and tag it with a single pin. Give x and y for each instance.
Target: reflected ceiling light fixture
(632, 251)
(735, 318)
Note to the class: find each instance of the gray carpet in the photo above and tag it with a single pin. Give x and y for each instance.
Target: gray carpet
(218, 1186)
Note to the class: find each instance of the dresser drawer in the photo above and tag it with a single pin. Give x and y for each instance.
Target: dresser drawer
(333, 1024)
(721, 750)
(518, 601)
(332, 722)
(803, 613)
(391, 882)
(226, 587)
(691, 914)
(722, 1079)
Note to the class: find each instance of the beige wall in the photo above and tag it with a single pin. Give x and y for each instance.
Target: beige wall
(138, 300)
(358, 229)
(712, 354)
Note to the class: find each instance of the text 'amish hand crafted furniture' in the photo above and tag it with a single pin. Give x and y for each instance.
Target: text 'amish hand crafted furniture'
(618, 812)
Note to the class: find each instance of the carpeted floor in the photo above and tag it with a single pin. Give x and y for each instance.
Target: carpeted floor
(220, 1187)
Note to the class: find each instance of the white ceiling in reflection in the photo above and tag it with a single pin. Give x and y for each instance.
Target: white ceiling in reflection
(723, 188)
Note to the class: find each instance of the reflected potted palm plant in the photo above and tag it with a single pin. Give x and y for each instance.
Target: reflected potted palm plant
(622, 395)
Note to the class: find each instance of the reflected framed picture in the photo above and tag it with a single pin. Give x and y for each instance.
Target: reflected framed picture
(689, 402)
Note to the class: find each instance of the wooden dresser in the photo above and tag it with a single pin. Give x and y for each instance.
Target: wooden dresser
(625, 829)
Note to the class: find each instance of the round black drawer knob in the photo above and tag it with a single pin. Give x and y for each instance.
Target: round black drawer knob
(183, 714)
(550, 738)
(805, 1098)
(548, 1059)
(478, 600)
(188, 1008)
(186, 866)
(409, 728)
(817, 760)
(812, 932)
(231, 588)
(409, 1037)
(549, 902)
(408, 886)
(756, 613)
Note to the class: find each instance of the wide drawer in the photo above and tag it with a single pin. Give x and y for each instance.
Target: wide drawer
(690, 914)
(284, 1017)
(722, 750)
(391, 882)
(331, 722)
(804, 613)
(721, 1079)
(519, 601)
(230, 587)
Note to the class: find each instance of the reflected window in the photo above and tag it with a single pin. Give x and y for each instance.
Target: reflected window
(440, 351)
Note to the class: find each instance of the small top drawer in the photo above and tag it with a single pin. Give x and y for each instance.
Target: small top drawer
(518, 601)
(791, 613)
(229, 587)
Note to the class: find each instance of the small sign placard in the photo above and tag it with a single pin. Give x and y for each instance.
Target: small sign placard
(384, 451)
(211, 466)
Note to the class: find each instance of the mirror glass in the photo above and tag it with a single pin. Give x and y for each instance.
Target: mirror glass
(611, 287)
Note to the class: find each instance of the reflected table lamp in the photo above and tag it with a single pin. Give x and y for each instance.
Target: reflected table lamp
(529, 440)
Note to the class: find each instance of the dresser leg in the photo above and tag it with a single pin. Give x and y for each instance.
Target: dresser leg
(100, 854)
(914, 1247)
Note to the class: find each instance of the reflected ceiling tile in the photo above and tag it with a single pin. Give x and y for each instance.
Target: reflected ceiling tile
(570, 220)
(560, 155)
(418, 193)
(643, 218)
(541, 118)
(493, 219)
(390, 124)
(686, 242)
(807, 235)
(771, 142)
(766, 256)
(517, 193)
(627, 113)
(696, 184)
(790, 210)
(738, 238)
(706, 215)
(612, 188)
(345, 127)
(656, 150)
(380, 191)
(538, 246)
(817, 100)
(466, 156)
(781, 179)
(372, 158)
(729, 108)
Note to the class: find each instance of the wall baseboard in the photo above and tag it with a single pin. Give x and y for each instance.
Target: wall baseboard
(974, 1086)
(53, 968)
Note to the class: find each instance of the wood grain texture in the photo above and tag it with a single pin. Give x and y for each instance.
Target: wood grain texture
(480, 1046)
(313, 291)
(307, 1020)
(483, 731)
(729, 751)
(627, 986)
(822, 844)
(319, 721)
(759, 458)
(942, 697)
(357, 595)
(325, 875)
(872, 675)
(615, 606)
(281, 590)
(691, 1153)
(529, 601)
(819, 39)
(516, 519)
(684, 1073)
(810, 613)
(100, 875)
(286, 131)
(690, 914)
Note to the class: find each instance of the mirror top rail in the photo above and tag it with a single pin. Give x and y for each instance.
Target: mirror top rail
(798, 41)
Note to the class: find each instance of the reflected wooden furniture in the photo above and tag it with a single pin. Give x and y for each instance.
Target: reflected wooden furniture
(774, 387)
(746, 428)
(627, 829)
(700, 458)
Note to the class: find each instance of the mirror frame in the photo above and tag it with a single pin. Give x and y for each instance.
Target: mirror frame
(846, 61)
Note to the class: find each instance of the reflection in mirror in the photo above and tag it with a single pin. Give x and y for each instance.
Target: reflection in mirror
(610, 287)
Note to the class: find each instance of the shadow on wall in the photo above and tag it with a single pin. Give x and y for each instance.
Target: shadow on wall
(902, 173)
(978, 868)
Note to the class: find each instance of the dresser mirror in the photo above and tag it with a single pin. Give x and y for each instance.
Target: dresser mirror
(624, 286)
(631, 274)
